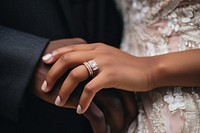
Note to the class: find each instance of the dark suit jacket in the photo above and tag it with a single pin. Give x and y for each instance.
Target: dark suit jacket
(26, 26)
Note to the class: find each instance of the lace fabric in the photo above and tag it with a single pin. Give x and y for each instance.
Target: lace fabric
(155, 28)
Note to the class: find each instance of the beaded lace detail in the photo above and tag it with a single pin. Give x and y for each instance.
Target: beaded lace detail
(175, 99)
(159, 27)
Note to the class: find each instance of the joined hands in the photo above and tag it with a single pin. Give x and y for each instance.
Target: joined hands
(112, 110)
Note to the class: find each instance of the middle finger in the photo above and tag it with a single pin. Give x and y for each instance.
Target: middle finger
(77, 75)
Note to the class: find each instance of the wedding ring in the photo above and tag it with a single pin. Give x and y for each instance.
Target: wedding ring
(91, 66)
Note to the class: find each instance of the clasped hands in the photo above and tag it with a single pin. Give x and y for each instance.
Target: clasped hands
(64, 71)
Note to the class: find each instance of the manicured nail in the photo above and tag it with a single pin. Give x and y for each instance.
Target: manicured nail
(44, 86)
(47, 57)
(79, 109)
(58, 101)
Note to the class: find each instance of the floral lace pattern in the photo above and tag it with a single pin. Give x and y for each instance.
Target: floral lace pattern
(159, 27)
(175, 100)
(155, 27)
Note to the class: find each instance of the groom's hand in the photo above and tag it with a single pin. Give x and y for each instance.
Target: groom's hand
(119, 108)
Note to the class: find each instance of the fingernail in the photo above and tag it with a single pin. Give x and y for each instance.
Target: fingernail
(47, 57)
(44, 86)
(58, 101)
(79, 109)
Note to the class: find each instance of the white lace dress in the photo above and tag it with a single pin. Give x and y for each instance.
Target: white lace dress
(159, 27)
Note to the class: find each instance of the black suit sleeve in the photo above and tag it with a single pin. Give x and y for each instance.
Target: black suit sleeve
(19, 54)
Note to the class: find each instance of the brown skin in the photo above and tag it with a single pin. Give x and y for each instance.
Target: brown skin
(120, 70)
(123, 103)
(117, 69)
(178, 69)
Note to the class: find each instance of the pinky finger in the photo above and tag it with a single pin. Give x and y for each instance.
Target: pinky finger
(89, 92)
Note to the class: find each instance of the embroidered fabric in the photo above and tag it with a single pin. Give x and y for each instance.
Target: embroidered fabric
(154, 27)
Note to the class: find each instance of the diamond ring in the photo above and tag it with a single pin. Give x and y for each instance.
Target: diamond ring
(91, 66)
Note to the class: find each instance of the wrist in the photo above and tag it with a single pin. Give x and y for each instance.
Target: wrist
(156, 71)
(177, 69)
(150, 68)
(165, 73)
(159, 72)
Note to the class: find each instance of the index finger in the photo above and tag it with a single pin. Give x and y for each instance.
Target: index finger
(54, 55)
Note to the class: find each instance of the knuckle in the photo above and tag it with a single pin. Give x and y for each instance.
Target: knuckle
(62, 93)
(99, 44)
(57, 51)
(74, 74)
(89, 89)
(65, 57)
(80, 40)
(112, 79)
(115, 104)
(71, 48)
(112, 75)
(99, 117)
(50, 76)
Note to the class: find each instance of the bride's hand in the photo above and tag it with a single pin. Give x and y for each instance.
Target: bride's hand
(117, 69)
